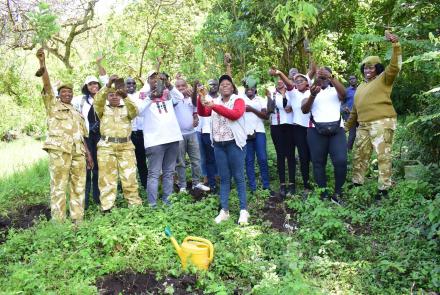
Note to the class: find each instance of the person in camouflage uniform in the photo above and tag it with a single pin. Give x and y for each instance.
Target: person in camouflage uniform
(66, 148)
(115, 149)
(374, 111)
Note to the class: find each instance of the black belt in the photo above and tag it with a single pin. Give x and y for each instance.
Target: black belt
(223, 143)
(115, 139)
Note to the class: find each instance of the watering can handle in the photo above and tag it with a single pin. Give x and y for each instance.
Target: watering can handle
(211, 247)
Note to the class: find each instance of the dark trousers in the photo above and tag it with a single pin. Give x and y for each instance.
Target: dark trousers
(351, 137)
(207, 151)
(137, 138)
(282, 137)
(257, 147)
(320, 147)
(300, 141)
(92, 174)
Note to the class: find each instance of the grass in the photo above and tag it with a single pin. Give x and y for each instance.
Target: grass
(19, 155)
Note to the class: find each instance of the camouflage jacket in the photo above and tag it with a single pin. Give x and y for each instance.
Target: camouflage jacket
(115, 121)
(65, 126)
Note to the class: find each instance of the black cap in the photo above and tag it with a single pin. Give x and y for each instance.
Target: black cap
(227, 77)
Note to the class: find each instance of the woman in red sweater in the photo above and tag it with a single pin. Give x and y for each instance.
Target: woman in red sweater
(229, 139)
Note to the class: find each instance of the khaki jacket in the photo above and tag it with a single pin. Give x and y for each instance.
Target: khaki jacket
(65, 126)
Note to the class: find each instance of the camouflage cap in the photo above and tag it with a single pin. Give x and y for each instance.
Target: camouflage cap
(65, 85)
(371, 60)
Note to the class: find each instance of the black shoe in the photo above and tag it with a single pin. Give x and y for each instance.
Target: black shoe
(106, 211)
(307, 186)
(283, 191)
(291, 190)
(336, 199)
(380, 194)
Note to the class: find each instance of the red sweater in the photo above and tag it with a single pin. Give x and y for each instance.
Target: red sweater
(232, 114)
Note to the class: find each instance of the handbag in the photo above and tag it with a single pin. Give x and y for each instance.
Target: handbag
(326, 128)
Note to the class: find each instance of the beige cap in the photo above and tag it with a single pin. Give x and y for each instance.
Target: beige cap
(371, 60)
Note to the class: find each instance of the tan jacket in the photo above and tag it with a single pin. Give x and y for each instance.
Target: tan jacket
(65, 126)
(115, 121)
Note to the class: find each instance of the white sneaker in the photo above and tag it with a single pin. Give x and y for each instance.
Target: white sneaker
(202, 187)
(182, 190)
(222, 216)
(244, 216)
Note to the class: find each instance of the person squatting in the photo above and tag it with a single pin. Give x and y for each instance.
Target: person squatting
(115, 132)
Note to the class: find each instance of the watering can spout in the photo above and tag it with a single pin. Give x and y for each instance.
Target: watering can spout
(177, 247)
(174, 242)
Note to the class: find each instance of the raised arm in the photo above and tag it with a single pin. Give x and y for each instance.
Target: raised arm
(228, 63)
(289, 84)
(102, 95)
(393, 68)
(48, 97)
(101, 69)
(312, 69)
(340, 88)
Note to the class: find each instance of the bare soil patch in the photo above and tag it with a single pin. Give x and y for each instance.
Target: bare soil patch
(145, 283)
(23, 218)
(279, 215)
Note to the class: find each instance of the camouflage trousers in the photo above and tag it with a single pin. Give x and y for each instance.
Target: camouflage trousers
(64, 167)
(378, 135)
(117, 159)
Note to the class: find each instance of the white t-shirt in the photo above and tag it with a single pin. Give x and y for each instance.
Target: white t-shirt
(138, 122)
(252, 122)
(295, 100)
(280, 116)
(184, 113)
(327, 106)
(205, 122)
(160, 122)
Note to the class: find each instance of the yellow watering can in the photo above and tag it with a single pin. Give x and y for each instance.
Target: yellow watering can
(199, 251)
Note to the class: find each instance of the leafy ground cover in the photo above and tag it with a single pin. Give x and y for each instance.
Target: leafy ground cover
(299, 246)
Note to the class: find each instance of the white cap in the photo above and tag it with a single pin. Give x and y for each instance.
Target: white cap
(151, 73)
(304, 76)
(91, 79)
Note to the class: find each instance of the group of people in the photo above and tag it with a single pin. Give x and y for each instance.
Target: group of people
(113, 131)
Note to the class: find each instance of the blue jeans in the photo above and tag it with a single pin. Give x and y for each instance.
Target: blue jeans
(161, 157)
(230, 163)
(202, 154)
(257, 146)
(321, 147)
(189, 145)
(208, 159)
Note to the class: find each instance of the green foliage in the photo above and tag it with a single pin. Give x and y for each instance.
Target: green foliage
(295, 16)
(363, 247)
(27, 187)
(44, 22)
(20, 119)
